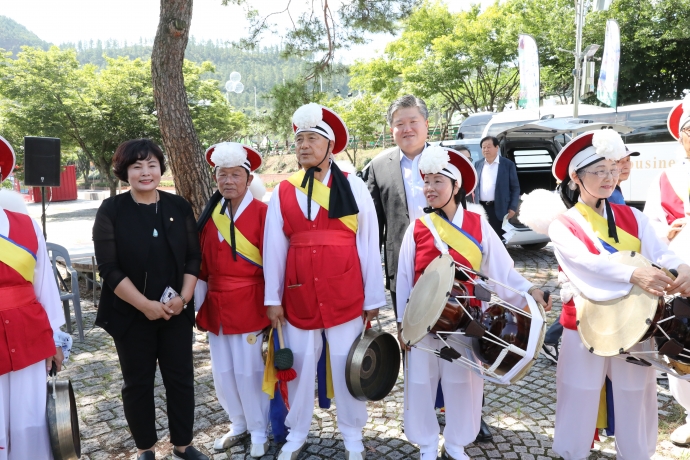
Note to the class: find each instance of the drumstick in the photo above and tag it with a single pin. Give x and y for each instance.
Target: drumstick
(406, 383)
(280, 336)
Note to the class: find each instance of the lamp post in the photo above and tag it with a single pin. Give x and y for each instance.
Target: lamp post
(580, 11)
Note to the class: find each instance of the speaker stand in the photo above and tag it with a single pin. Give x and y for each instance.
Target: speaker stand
(43, 212)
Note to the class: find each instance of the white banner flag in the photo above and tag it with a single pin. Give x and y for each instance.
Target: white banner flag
(607, 89)
(528, 61)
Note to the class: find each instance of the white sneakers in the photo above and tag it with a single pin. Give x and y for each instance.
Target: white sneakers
(681, 436)
(354, 455)
(258, 450)
(287, 455)
(229, 440)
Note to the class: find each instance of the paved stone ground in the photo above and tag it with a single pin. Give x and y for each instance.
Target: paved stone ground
(521, 416)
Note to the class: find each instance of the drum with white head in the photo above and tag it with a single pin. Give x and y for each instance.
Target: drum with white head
(499, 341)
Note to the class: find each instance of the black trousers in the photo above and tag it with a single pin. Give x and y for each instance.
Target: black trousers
(493, 220)
(168, 343)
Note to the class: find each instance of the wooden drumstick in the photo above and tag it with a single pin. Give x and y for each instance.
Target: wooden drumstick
(280, 336)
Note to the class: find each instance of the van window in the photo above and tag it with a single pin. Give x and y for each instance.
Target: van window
(532, 158)
(471, 131)
(649, 125)
(498, 128)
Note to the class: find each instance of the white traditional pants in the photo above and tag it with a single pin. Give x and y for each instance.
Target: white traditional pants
(238, 371)
(462, 393)
(306, 346)
(23, 426)
(579, 379)
(680, 389)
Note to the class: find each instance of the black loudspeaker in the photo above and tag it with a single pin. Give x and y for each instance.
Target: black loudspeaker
(42, 161)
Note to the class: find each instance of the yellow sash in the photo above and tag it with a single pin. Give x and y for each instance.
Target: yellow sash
(321, 195)
(456, 239)
(627, 242)
(244, 247)
(18, 258)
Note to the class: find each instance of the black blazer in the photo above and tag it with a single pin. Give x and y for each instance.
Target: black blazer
(121, 243)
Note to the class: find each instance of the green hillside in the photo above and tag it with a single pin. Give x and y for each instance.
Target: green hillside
(14, 35)
(260, 69)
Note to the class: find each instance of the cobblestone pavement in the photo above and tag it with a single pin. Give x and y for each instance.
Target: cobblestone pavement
(521, 416)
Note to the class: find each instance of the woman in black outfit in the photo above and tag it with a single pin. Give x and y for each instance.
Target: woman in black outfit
(145, 241)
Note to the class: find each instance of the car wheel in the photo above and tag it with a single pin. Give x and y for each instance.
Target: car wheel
(534, 246)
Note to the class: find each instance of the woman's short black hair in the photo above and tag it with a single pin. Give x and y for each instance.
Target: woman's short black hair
(131, 151)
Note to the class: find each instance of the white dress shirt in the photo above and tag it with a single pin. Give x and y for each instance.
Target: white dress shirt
(496, 264)
(487, 191)
(595, 275)
(414, 185)
(276, 244)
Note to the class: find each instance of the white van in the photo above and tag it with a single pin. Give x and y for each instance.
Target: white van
(649, 136)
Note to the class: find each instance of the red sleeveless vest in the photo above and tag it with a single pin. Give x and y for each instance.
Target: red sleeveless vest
(26, 336)
(323, 275)
(235, 298)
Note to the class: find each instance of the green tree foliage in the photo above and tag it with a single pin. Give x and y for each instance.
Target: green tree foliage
(465, 58)
(655, 47)
(468, 60)
(365, 117)
(285, 99)
(92, 110)
(260, 68)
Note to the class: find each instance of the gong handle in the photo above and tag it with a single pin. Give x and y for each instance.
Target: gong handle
(280, 336)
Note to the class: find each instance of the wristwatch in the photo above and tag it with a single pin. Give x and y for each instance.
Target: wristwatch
(184, 301)
(532, 289)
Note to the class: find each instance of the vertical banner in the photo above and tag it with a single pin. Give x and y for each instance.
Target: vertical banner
(528, 61)
(607, 89)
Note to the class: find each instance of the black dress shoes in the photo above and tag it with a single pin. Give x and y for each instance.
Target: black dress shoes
(484, 433)
(189, 454)
(147, 455)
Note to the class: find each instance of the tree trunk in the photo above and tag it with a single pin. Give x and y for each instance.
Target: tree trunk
(192, 178)
(112, 184)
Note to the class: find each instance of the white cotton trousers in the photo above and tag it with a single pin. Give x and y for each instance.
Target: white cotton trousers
(23, 425)
(462, 390)
(238, 371)
(680, 389)
(579, 379)
(306, 346)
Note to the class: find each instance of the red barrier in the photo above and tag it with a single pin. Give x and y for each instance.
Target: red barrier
(67, 191)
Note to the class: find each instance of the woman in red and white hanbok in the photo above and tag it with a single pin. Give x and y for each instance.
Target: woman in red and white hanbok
(30, 312)
(465, 235)
(230, 292)
(584, 233)
(668, 207)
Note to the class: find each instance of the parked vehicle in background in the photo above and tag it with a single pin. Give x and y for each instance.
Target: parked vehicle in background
(473, 126)
(649, 136)
(533, 147)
